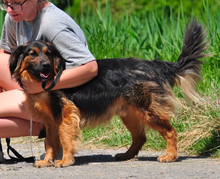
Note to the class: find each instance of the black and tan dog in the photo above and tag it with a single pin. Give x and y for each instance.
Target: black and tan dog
(139, 91)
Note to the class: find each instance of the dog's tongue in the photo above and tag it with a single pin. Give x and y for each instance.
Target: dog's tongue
(44, 75)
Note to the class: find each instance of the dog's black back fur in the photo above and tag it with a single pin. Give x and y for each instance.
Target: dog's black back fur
(115, 78)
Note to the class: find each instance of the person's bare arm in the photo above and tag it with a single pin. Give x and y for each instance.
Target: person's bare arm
(3, 51)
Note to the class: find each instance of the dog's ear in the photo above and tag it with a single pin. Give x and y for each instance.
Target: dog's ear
(59, 61)
(16, 58)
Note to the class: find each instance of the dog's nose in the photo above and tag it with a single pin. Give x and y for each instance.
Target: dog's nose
(46, 65)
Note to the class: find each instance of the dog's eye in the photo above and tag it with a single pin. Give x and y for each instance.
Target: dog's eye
(33, 54)
(48, 53)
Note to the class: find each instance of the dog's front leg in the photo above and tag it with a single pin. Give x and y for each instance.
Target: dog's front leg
(69, 131)
(52, 147)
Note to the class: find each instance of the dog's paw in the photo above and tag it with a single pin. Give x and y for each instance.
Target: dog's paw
(123, 156)
(64, 162)
(167, 158)
(43, 163)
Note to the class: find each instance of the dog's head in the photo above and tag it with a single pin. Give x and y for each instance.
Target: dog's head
(35, 61)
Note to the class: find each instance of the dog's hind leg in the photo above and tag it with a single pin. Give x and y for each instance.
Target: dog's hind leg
(137, 129)
(163, 126)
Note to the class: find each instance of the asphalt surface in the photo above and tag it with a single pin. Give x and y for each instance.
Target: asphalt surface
(96, 163)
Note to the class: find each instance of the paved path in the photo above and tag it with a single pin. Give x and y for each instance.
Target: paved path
(98, 164)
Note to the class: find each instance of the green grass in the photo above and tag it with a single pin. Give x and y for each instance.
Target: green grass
(149, 36)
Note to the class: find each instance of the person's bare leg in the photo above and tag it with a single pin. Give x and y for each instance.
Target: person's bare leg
(16, 127)
(6, 81)
(14, 118)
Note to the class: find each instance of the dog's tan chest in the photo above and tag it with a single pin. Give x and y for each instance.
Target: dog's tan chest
(39, 104)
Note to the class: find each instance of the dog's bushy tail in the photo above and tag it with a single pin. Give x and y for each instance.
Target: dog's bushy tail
(188, 67)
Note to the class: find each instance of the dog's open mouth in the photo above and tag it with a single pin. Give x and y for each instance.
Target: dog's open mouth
(44, 75)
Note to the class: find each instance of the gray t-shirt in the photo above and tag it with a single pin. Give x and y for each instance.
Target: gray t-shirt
(52, 25)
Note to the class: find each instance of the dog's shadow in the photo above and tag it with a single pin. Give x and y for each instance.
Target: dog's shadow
(105, 158)
(180, 158)
(87, 159)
